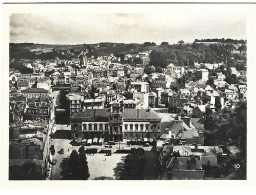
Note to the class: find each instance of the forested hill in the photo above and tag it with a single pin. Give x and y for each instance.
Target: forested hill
(180, 54)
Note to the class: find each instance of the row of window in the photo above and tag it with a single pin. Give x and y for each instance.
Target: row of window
(75, 101)
(99, 127)
(136, 127)
(94, 127)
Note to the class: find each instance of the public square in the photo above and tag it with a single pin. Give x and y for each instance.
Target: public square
(99, 164)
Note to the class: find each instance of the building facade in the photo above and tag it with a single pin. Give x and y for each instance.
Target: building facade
(115, 124)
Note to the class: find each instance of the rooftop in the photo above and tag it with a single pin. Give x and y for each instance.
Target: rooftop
(35, 90)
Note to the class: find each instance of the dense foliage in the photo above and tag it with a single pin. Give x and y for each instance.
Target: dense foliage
(134, 163)
(78, 165)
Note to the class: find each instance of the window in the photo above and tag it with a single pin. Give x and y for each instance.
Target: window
(136, 127)
(85, 126)
(106, 126)
(131, 127)
(146, 126)
(95, 127)
(141, 127)
(101, 127)
(90, 127)
(125, 126)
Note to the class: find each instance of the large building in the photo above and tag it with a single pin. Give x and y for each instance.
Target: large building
(140, 86)
(75, 103)
(115, 124)
(35, 93)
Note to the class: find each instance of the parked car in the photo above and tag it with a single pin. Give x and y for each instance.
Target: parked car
(74, 143)
(95, 141)
(101, 141)
(84, 141)
(89, 142)
(108, 146)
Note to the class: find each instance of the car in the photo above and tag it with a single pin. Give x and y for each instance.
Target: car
(108, 146)
(61, 151)
(89, 142)
(74, 143)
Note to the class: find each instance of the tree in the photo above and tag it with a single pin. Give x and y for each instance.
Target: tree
(159, 69)
(133, 168)
(180, 42)
(20, 67)
(84, 170)
(242, 48)
(74, 165)
(157, 59)
(218, 103)
(81, 149)
(164, 44)
(232, 79)
(147, 70)
(137, 61)
(148, 44)
(210, 81)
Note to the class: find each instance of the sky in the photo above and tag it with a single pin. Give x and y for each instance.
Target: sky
(169, 23)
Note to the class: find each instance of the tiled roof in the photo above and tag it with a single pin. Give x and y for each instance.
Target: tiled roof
(199, 85)
(92, 115)
(193, 84)
(129, 114)
(32, 141)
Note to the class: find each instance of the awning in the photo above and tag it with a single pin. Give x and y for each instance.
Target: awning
(95, 139)
(133, 139)
(101, 140)
(145, 139)
(151, 139)
(89, 141)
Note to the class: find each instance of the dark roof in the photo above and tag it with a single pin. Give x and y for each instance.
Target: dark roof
(199, 85)
(92, 115)
(104, 114)
(35, 90)
(193, 84)
(139, 114)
